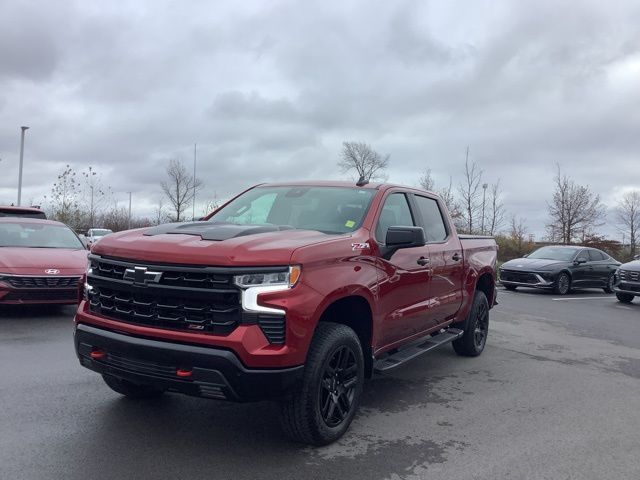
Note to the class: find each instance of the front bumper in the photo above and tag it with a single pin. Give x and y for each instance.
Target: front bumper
(630, 288)
(215, 373)
(539, 282)
(14, 296)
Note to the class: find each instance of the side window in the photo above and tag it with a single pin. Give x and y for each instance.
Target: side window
(596, 255)
(583, 255)
(395, 212)
(434, 227)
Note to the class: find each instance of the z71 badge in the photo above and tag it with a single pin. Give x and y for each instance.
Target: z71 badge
(359, 246)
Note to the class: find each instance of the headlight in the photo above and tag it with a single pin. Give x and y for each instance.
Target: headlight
(288, 278)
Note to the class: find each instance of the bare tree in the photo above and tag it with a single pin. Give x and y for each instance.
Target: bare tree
(64, 199)
(470, 194)
(95, 195)
(628, 217)
(358, 156)
(427, 182)
(518, 233)
(159, 213)
(496, 209)
(574, 211)
(180, 188)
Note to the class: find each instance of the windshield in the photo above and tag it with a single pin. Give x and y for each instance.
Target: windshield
(37, 235)
(326, 209)
(555, 253)
(100, 232)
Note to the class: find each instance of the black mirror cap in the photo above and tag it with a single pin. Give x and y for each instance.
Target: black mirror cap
(579, 261)
(405, 237)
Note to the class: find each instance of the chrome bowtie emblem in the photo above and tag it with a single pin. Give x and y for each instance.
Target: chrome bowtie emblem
(52, 271)
(142, 276)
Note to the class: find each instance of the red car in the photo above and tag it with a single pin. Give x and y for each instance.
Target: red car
(41, 261)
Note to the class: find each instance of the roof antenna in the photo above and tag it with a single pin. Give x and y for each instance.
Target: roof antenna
(362, 182)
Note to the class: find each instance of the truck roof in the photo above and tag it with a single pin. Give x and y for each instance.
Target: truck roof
(335, 183)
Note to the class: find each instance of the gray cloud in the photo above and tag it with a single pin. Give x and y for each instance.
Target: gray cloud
(270, 90)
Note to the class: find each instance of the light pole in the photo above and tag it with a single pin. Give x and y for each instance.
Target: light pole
(24, 129)
(129, 223)
(193, 212)
(484, 196)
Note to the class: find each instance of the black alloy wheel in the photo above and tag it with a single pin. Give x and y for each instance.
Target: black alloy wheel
(563, 284)
(611, 280)
(338, 386)
(482, 326)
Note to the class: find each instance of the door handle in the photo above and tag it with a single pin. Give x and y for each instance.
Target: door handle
(422, 261)
(456, 257)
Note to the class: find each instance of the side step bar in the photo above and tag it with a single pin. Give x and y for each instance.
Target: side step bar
(409, 353)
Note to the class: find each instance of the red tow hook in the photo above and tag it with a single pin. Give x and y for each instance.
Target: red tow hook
(97, 354)
(183, 372)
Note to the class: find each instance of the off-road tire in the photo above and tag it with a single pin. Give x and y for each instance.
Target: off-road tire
(624, 297)
(562, 286)
(476, 328)
(302, 413)
(131, 390)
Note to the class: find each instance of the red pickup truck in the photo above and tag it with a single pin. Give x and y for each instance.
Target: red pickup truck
(296, 292)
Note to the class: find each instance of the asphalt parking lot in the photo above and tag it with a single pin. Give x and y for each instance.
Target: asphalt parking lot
(554, 396)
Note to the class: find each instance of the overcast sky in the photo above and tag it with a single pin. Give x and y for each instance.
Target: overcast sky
(270, 90)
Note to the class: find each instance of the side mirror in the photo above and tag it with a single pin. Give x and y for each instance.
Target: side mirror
(579, 261)
(525, 255)
(403, 237)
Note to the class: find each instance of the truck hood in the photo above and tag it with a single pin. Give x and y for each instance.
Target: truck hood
(207, 243)
(532, 264)
(34, 261)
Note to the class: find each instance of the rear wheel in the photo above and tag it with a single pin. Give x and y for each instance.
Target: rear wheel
(322, 410)
(610, 281)
(476, 328)
(624, 297)
(131, 390)
(563, 284)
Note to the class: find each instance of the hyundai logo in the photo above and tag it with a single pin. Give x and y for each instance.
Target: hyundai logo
(142, 276)
(52, 271)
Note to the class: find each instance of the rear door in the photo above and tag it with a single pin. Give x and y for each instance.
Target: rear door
(600, 267)
(403, 287)
(582, 273)
(446, 259)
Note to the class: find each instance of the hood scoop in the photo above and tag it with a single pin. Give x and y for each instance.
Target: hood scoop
(213, 231)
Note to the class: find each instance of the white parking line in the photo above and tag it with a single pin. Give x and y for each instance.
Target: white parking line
(580, 298)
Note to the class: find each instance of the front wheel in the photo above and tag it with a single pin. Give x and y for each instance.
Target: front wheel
(624, 297)
(610, 281)
(563, 284)
(476, 328)
(322, 410)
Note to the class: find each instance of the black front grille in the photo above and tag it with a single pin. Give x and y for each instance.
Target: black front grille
(201, 299)
(629, 275)
(43, 282)
(42, 295)
(519, 277)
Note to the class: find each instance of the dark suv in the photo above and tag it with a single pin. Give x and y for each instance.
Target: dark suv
(627, 284)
